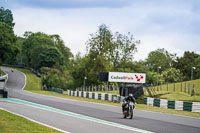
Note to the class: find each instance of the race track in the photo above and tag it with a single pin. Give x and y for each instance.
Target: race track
(85, 117)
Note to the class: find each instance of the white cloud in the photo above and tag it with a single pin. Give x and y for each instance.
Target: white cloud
(57, 4)
(170, 26)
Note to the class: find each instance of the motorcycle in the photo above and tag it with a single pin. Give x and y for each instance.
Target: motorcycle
(128, 110)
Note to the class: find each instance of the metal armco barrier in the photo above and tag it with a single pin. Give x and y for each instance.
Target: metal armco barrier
(28, 68)
(98, 96)
(171, 104)
(55, 90)
(3, 90)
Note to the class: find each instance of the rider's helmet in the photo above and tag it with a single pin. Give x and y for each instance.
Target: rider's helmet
(130, 95)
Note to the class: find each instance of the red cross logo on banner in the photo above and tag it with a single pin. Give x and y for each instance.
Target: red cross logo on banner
(139, 77)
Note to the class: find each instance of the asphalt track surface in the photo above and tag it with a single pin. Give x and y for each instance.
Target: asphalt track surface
(144, 121)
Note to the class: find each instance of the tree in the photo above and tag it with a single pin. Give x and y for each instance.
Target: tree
(8, 48)
(59, 43)
(197, 64)
(107, 52)
(115, 48)
(35, 44)
(130, 66)
(50, 57)
(172, 75)
(6, 17)
(79, 69)
(55, 78)
(41, 50)
(152, 78)
(159, 58)
(185, 63)
(123, 49)
(100, 42)
(98, 48)
(100, 64)
(20, 57)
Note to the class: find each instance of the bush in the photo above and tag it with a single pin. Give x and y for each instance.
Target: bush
(55, 78)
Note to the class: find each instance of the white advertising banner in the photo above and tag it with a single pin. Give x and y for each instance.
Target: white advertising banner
(127, 77)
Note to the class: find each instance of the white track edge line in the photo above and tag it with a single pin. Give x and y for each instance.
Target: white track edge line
(24, 79)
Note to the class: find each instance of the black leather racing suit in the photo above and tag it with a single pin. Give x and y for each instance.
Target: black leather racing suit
(126, 100)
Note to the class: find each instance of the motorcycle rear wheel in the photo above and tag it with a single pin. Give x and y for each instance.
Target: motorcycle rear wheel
(131, 114)
(124, 114)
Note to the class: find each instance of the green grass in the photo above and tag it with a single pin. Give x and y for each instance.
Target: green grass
(34, 85)
(109, 92)
(178, 95)
(10, 123)
(180, 87)
(2, 73)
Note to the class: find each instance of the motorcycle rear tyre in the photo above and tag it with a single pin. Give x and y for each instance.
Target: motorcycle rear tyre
(131, 114)
(124, 114)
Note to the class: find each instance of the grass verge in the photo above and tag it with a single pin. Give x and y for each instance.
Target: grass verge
(178, 96)
(10, 123)
(180, 87)
(36, 88)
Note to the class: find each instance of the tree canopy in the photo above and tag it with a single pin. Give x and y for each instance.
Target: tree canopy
(42, 50)
(8, 48)
(6, 17)
(185, 63)
(159, 58)
(106, 51)
(116, 48)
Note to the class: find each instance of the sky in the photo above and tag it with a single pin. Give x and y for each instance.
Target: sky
(170, 24)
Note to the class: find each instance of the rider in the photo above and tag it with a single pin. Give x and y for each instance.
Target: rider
(127, 99)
